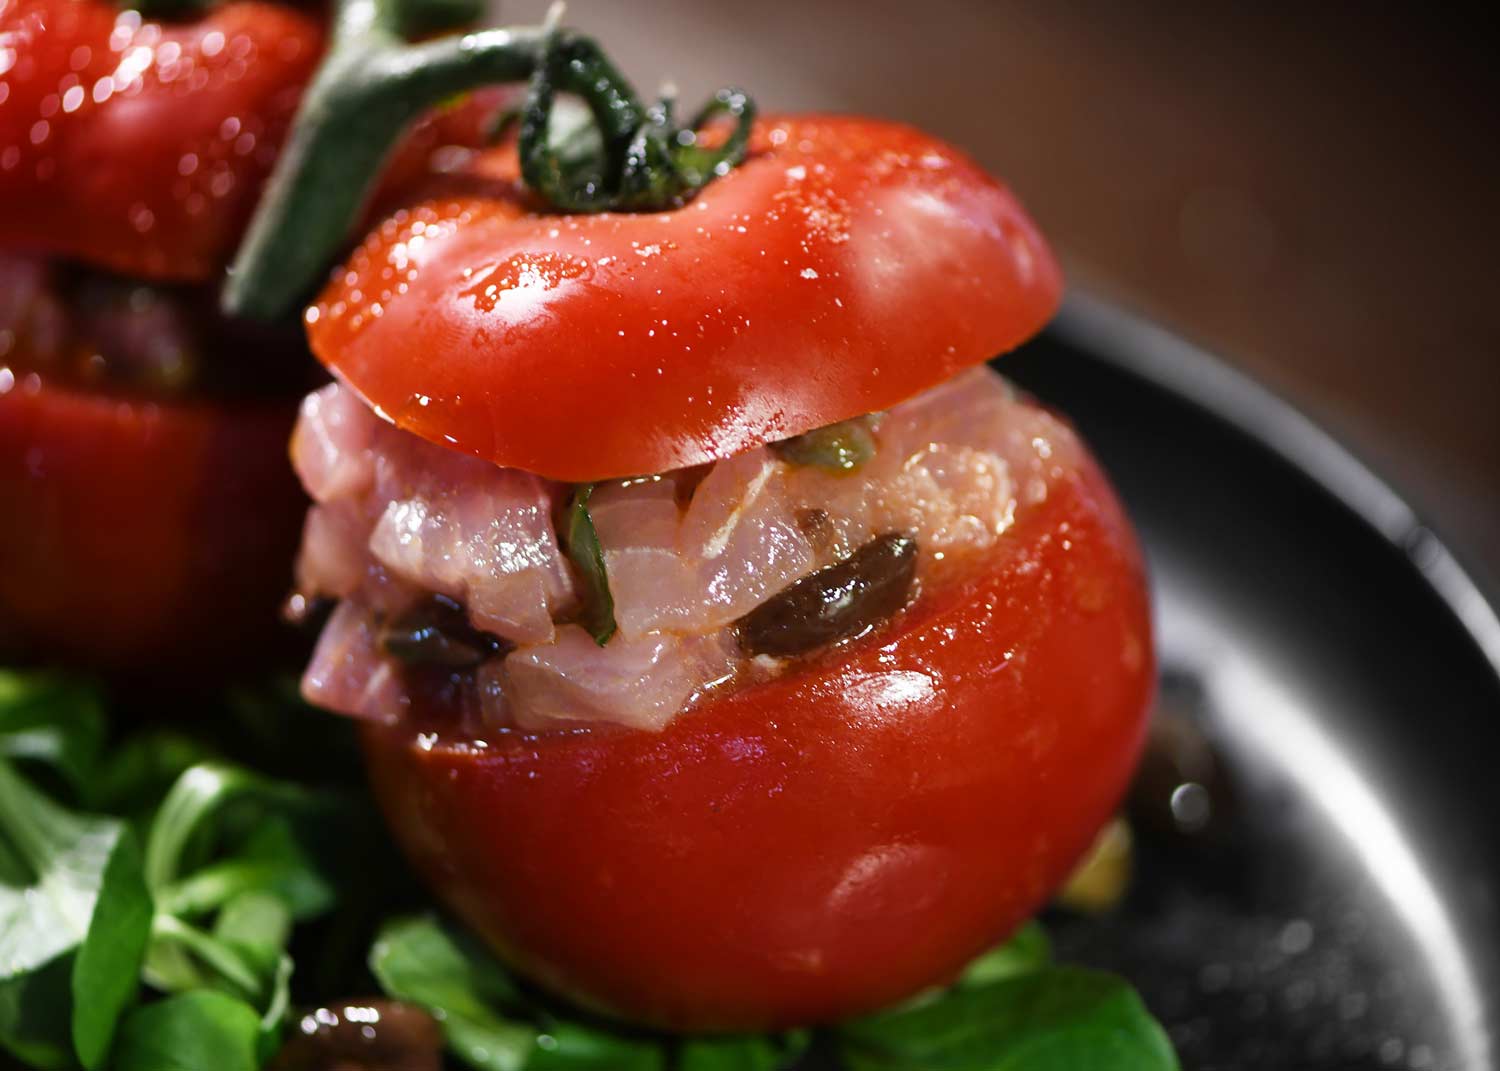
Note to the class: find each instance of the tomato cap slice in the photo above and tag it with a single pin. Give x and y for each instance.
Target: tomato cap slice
(847, 265)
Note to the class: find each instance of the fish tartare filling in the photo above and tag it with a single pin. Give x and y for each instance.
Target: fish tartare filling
(453, 577)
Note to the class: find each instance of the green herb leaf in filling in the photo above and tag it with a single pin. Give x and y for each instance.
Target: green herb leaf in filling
(582, 546)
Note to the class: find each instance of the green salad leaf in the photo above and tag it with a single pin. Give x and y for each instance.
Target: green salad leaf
(74, 906)
(491, 1024)
(52, 865)
(195, 1031)
(1046, 1019)
(35, 1017)
(231, 862)
(139, 771)
(428, 963)
(1027, 950)
(106, 972)
(254, 856)
(53, 720)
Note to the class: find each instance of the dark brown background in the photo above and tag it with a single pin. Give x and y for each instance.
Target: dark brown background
(1311, 193)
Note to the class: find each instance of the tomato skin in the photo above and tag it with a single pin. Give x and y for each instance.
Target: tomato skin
(144, 538)
(154, 176)
(847, 265)
(823, 844)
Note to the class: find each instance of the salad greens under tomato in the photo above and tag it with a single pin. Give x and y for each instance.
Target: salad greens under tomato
(188, 899)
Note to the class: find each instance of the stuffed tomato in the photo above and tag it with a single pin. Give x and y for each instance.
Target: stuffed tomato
(150, 516)
(735, 649)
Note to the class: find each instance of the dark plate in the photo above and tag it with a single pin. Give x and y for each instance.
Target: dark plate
(1347, 671)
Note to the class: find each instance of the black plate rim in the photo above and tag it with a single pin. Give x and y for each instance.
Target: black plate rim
(1153, 353)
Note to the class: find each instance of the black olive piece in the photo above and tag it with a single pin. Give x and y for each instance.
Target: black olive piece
(835, 602)
(362, 1035)
(437, 633)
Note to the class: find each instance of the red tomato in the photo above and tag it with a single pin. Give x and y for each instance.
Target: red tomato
(826, 843)
(846, 266)
(143, 536)
(141, 146)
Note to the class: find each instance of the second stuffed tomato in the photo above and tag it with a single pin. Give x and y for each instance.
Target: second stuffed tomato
(737, 650)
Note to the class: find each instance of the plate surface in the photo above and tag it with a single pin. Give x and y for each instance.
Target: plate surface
(1343, 911)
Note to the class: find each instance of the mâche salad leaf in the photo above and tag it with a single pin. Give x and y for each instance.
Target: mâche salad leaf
(484, 1016)
(195, 1031)
(1048, 1019)
(47, 718)
(52, 865)
(96, 919)
(1027, 950)
(70, 886)
(106, 972)
(35, 1016)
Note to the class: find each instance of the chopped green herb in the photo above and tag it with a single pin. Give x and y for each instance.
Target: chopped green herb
(582, 545)
(841, 447)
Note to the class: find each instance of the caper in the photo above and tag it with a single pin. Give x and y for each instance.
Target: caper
(835, 603)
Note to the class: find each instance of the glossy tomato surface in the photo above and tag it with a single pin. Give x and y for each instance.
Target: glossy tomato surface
(143, 537)
(142, 145)
(139, 145)
(847, 265)
(826, 843)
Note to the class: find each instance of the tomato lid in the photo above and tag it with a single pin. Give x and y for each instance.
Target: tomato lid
(845, 266)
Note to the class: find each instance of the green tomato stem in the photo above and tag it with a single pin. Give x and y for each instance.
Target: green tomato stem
(372, 85)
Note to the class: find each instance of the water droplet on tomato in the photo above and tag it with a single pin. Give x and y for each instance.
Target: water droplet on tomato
(524, 277)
